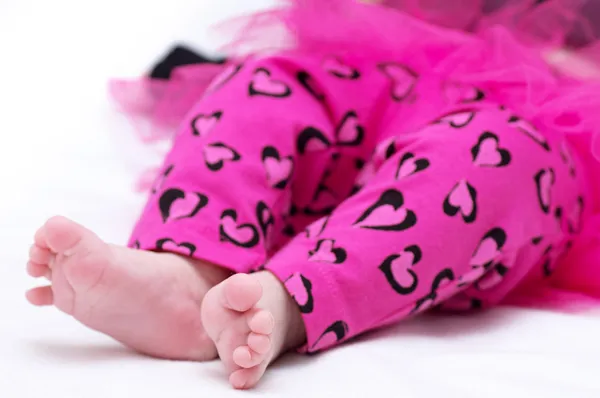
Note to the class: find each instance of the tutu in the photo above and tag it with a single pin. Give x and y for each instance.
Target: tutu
(535, 57)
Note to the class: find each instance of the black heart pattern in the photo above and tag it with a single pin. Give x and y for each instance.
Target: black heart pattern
(312, 139)
(289, 231)
(279, 169)
(398, 272)
(367, 172)
(324, 202)
(215, 155)
(461, 302)
(161, 178)
(175, 204)
(316, 228)
(544, 181)
(386, 149)
(461, 93)
(493, 277)
(263, 84)
(359, 164)
(489, 249)
(265, 218)
(529, 130)
(548, 261)
(470, 277)
(462, 198)
(458, 119)
(410, 165)
(307, 81)
(203, 124)
(335, 333)
(488, 153)
(558, 215)
(441, 281)
(169, 245)
(350, 132)
(355, 189)
(565, 154)
(300, 288)
(244, 235)
(403, 79)
(339, 69)
(387, 214)
(324, 197)
(224, 77)
(327, 252)
(576, 216)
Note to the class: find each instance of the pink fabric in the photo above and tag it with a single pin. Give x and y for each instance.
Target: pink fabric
(373, 192)
(157, 107)
(501, 56)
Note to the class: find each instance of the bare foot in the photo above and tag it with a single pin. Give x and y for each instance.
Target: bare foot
(147, 301)
(252, 320)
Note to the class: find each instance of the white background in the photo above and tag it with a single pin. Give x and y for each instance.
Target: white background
(65, 150)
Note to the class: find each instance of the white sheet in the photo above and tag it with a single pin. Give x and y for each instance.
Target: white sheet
(65, 151)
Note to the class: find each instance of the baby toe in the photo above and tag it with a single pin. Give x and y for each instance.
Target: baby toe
(40, 238)
(242, 292)
(261, 322)
(40, 296)
(63, 235)
(259, 343)
(246, 358)
(37, 270)
(246, 378)
(39, 255)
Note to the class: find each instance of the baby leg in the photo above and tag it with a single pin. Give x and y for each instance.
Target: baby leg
(458, 213)
(221, 198)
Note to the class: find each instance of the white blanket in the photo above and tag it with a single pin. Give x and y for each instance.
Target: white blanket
(65, 151)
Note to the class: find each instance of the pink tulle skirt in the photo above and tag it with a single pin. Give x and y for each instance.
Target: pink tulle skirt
(537, 57)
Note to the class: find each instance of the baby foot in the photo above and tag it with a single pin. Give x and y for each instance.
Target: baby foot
(252, 320)
(147, 301)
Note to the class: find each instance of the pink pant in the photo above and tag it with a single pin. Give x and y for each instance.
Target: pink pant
(372, 194)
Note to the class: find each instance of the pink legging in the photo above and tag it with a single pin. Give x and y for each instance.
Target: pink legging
(373, 194)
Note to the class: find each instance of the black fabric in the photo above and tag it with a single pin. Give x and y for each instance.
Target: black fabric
(179, 56)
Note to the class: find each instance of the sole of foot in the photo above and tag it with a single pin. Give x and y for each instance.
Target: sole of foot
(148, 301)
